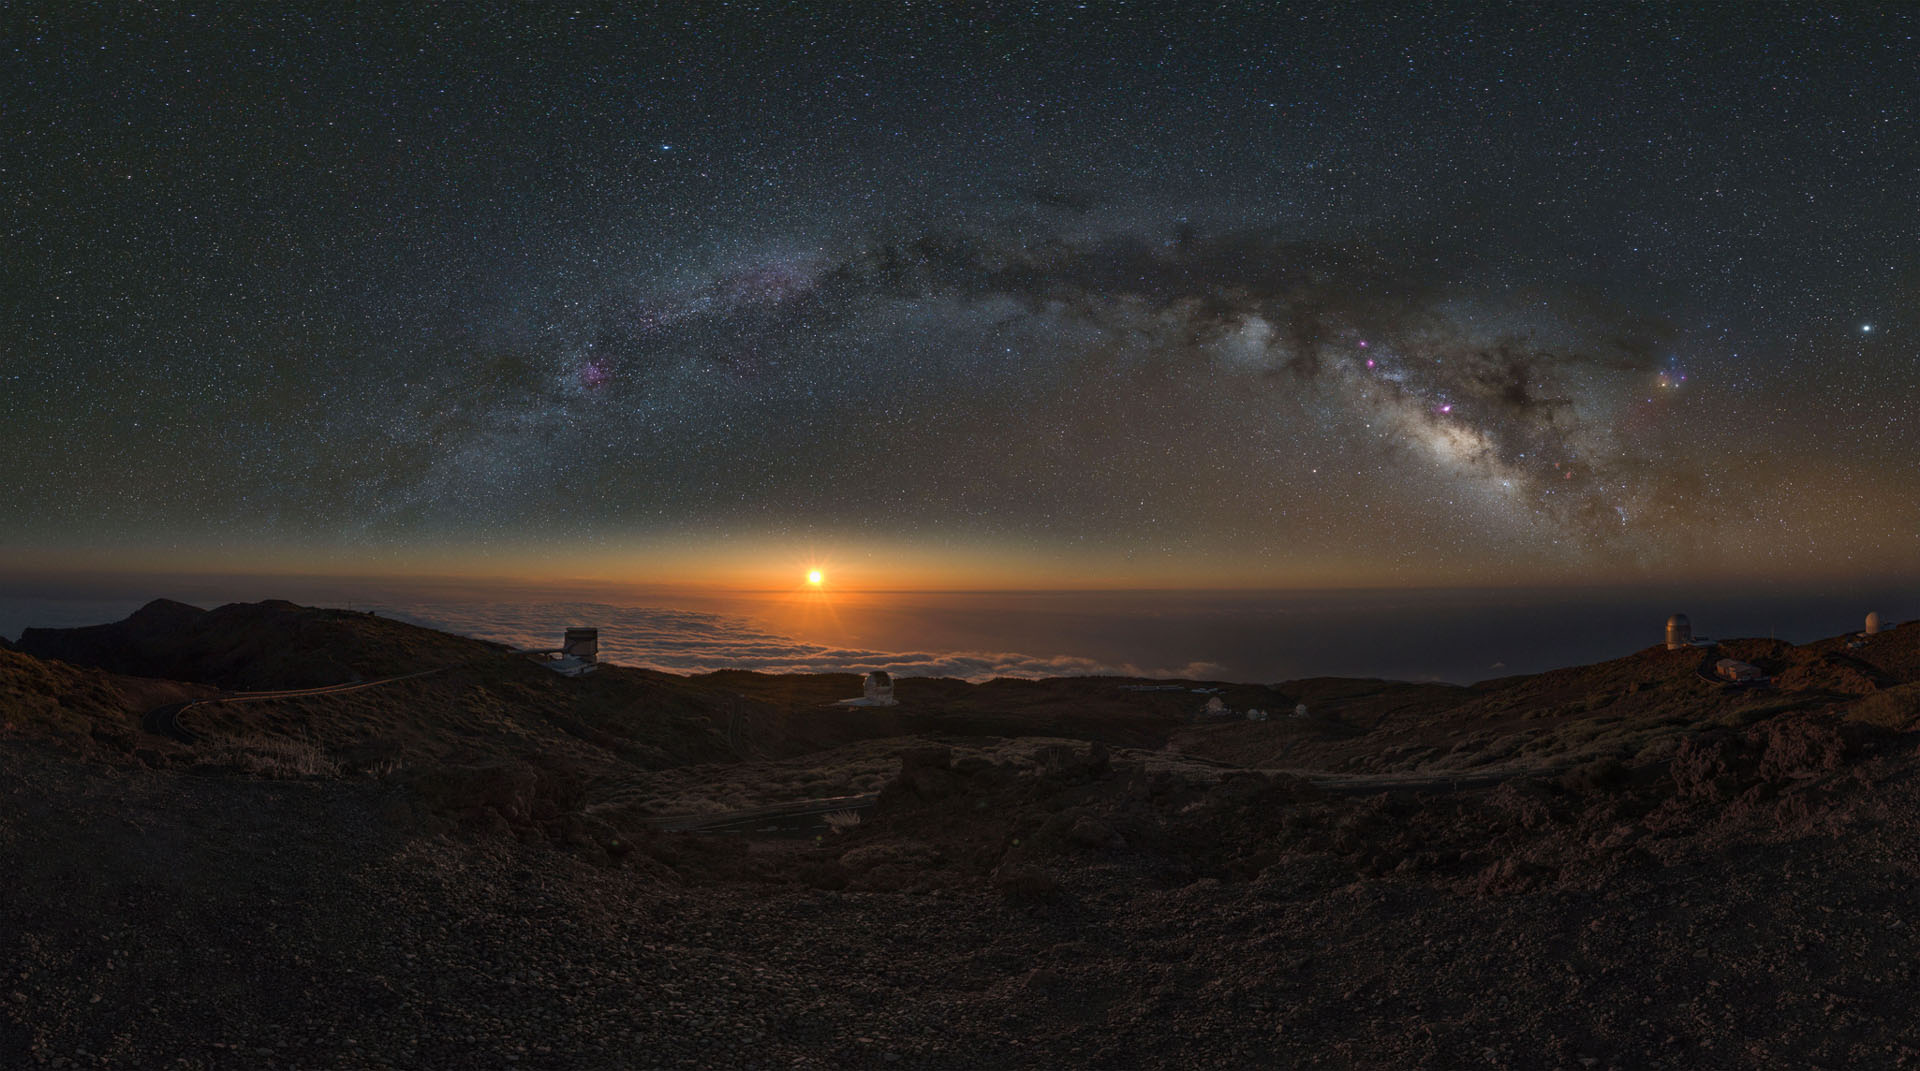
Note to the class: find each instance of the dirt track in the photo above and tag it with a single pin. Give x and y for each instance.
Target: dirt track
(165, 720)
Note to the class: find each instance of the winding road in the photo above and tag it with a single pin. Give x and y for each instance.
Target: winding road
(165, 720)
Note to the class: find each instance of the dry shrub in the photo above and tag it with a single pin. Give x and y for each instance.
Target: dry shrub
(273, 756)
(842, 821)
(1601, 775)
(1797, 747)
(1894, 708)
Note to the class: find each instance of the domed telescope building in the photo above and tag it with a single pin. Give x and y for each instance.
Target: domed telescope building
(1679, 632)
(581, 643)
(877, 691)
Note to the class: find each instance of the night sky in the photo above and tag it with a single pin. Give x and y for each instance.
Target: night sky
(973, 294)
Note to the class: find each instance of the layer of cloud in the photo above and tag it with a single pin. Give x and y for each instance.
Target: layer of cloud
(689, 641)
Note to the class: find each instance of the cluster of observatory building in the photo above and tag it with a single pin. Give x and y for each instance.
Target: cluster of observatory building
(1680, 635)
(1680, 631)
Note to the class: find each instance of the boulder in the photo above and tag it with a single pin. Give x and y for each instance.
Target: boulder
(925, 776)
(1025, 881)
(1090, 832)
(468, 791)
(1062, 762)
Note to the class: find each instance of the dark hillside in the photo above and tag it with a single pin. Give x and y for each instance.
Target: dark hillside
(1618, 865)
(88, 710)
(1609, 710)
(254, 646)
(796, 713)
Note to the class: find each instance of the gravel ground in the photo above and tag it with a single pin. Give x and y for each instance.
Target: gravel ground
(162, 918)
(1675, 878)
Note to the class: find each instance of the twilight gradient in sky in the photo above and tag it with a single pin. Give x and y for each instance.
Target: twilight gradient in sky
(994, 294)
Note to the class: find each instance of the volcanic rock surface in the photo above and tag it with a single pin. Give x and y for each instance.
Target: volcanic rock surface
(1621, 865)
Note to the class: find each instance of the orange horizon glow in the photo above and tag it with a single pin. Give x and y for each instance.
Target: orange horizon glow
(752, 567)
(767, 568)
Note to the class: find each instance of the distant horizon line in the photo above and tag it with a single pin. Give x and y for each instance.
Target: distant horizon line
(45, 578)
(80, 581)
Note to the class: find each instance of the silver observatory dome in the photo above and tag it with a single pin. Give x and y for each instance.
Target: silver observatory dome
(1679, 632)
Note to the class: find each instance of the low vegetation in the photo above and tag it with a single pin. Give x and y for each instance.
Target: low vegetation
(270, 756)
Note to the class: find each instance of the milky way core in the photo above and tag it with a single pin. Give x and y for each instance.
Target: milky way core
(1251, 295)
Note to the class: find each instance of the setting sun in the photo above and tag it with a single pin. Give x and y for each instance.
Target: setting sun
(815, 576)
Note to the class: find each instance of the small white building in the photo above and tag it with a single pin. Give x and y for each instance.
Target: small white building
(1873, 624)
(1735, 670)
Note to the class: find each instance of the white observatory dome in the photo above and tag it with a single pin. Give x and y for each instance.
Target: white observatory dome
(1873, 623)
(1679, 632)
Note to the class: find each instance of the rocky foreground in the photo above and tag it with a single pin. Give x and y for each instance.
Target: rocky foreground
(1622, 866)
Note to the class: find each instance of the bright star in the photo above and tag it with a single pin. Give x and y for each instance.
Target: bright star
(1866, 329)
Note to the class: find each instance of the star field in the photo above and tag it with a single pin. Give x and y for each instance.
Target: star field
(1251, 294)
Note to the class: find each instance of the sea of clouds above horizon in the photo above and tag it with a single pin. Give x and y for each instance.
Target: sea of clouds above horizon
(695, 641)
